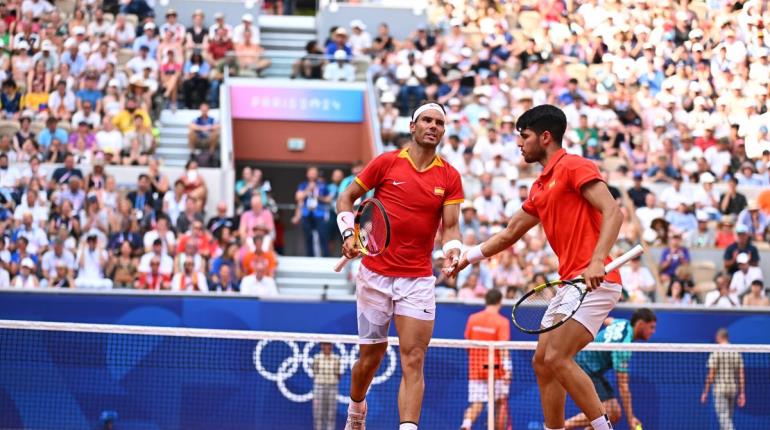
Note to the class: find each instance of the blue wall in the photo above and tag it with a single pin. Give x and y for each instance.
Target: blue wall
(241, 313)
(66, 380)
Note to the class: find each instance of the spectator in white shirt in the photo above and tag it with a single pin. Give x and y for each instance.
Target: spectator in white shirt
(122, 32)
(36, 7)
(162, 232)
(489, 206)
(219, 22)
(109, 140)
(258, 283)
(744, 276)
(649, 211)
(58, 254)
(86, 114)
(675, 195)
(189, 279)
(92, 258)
(360, 39)
(246, 23)
(722, 297)
(339, 69)
(61, 101)
(137, 64)
(26, 277)
(166, 262)
(638, 281)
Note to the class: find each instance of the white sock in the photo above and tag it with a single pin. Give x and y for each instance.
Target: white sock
(466, 424)
(357, 406)
(601, 423)
(407, 426)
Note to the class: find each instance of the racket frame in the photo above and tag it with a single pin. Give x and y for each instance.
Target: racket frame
(614, 264)
(357, 231)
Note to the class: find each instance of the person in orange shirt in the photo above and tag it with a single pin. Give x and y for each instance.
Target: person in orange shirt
(581, 221)
(258, 253)
(488, 325)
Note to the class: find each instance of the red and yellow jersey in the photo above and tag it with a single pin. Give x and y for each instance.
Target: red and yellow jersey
(414, 202)
(571, 223)
(485, 325)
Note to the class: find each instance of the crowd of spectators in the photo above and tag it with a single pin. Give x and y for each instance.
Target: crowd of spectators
(669, 99)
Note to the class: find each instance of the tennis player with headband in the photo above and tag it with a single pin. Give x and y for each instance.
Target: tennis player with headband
(419, 191)
(581, 222)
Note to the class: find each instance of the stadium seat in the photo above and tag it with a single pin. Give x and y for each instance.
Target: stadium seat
(132, 19)
(37, 127)
(66, 6)
(577, 71)
(703, 272)
(8, 127)
(124, 55)
(700, 9)
(109, 17)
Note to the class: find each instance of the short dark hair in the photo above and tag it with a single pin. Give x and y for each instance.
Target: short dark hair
(643, 314)
(758, 282)
(493, 297)
(544, 118)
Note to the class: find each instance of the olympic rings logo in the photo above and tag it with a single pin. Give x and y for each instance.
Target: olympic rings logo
(291, 365)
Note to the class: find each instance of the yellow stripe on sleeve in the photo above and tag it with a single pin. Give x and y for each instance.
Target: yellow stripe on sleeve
(453, 202)
(362, 184)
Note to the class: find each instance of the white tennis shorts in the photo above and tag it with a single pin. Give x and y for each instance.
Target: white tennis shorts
(477, 390)
(594, 310)
(379, 297)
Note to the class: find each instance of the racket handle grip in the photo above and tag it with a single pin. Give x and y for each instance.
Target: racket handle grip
(341, 263)
(623, 259)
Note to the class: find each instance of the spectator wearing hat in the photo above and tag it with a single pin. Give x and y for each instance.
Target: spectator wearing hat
(741, 281)
(702, 236)
(26, 278)
(673, 256)
(340, 69)
(144, 59)
(746, 176)
(219, 22)
(125, 120)
(47, 55)
(754, 219)
(247, 24)
(249, 55)
(360, 39)
(189, 279)
(741, 245)
(148, 39)
(173, 26)
(339, 41)
(469, 219)
(259, 283)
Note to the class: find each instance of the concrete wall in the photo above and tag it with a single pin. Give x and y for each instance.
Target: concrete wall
(402, 20)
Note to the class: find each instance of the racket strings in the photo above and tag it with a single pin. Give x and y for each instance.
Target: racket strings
(373, 229)
(547, 307)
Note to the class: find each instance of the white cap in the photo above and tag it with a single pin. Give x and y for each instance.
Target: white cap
(456, 22)
(357, 23)
(247, 17)
(699, 101)
(454, 101)
(28, 263)
(149, 26)
(742, 258)
(466, 52)
(697, 47)
(388, 97)
(340, 54)
(707, 178)
(113, 83)
(46, 45)
(69, 43)
(23, 45)
(79, 30)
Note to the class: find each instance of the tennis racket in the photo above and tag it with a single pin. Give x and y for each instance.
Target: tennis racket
(371, 230)
(550, 305)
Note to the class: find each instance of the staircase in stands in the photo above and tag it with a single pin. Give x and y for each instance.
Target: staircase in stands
(283, 39)
(172, 143)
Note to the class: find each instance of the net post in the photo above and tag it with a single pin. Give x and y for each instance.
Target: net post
(491, 387)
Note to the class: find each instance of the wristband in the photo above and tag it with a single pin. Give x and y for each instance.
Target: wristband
(507, 365)
(452, 244)
(474, 255)
(345, 221)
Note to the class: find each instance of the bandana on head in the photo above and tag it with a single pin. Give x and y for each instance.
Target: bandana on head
(426, 107)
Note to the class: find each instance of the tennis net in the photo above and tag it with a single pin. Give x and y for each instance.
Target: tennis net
(77, 376)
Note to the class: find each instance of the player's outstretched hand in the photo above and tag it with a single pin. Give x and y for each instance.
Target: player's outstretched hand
(349, 248)
(634, 424)
(594, 275)
(453, 265)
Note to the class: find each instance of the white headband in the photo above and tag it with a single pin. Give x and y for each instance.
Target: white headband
(426, 107)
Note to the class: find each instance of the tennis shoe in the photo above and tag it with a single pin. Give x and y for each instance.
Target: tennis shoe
(356, 417)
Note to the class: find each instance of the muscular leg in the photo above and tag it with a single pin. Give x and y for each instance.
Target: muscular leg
(366, 366)
(414, 335)
(552, 394)
(580, 421)
(563, 344)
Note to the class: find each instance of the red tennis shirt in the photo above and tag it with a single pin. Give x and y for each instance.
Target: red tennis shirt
(570, 222)
(414, 202)
(485, 325)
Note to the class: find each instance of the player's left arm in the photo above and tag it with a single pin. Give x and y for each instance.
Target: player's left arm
(741, 384)
(597, 193)
(625, 398)
(450, 233)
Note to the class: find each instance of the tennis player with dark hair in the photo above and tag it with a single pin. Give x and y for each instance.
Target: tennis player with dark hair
(597, 363)
(419, 191)
(488, 325)
(581, 222)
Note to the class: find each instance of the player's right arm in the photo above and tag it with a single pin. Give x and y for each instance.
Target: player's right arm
(625, 398)
(345, 204)
(520, 223)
